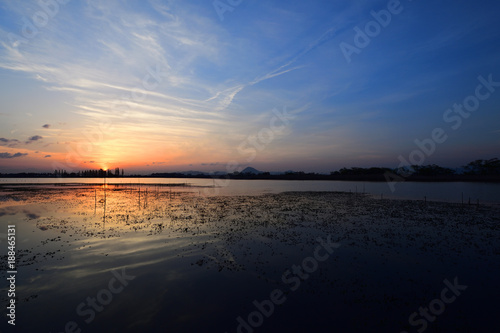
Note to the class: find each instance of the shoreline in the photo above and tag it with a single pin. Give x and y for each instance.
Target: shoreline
(319, 177)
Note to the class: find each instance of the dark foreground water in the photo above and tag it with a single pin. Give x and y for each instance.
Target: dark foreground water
(166, 259)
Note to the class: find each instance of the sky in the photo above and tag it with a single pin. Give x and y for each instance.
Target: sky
(314, 86)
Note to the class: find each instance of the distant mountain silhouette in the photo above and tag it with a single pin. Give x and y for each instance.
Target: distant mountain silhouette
(252, 171)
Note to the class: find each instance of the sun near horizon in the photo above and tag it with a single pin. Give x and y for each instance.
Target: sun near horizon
(167, 88)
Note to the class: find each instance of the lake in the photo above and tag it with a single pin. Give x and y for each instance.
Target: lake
(126, 257)
(434, 191)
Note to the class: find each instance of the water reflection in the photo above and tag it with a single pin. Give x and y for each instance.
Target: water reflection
(200, 262)
(434, 191)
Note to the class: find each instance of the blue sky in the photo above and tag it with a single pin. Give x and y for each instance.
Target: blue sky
(168, 85)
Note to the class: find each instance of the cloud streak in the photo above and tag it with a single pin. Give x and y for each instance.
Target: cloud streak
(8, 142)
(9, 155)
(34, 138)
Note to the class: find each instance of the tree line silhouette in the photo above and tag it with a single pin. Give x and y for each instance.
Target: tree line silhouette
(90, 173)
(478, 170)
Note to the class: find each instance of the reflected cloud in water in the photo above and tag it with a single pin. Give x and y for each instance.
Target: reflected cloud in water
(200, 262)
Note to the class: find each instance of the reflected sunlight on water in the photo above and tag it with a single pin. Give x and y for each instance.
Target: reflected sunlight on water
(199, 262)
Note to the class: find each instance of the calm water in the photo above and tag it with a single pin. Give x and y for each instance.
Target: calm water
(149, 258)
(449, 192)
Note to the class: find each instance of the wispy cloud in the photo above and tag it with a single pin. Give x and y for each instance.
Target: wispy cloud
(34, 138)
(9, 142)
(9, 155)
